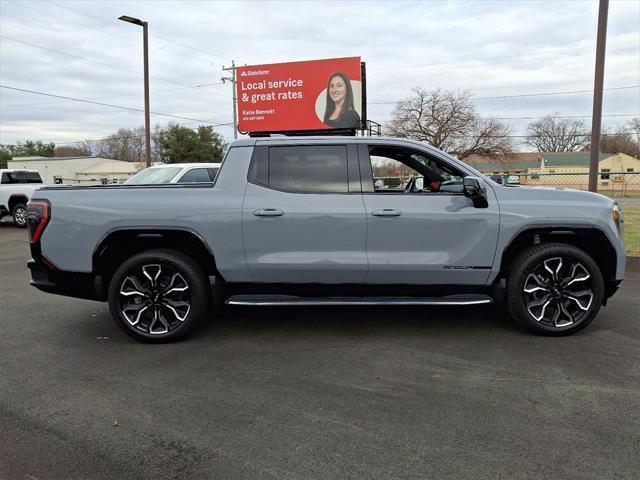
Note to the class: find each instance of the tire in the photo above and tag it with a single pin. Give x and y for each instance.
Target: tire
(20, 215)
(158, 296)
(554, 289)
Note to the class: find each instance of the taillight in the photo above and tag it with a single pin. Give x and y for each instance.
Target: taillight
(38, 215)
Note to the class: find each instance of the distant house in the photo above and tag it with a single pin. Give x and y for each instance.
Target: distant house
(78, 170)
(618, 171)
(551, 162)
(516, 163)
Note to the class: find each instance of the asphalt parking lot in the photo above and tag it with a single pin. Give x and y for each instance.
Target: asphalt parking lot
(310, 393)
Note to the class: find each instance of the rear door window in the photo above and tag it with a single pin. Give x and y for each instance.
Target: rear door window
(312, 169)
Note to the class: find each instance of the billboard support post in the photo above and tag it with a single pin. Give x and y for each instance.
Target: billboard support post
(232, 79)
(363, 69)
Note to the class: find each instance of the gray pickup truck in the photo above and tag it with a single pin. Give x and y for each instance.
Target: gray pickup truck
(317, 221)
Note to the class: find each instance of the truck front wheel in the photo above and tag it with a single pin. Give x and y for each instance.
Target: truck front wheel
(554, 289)
(158, 296)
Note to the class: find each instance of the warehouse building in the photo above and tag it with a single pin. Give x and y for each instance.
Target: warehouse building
(78, 170)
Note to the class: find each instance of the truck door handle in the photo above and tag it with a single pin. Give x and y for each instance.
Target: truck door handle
(269, 212)
(387, 212)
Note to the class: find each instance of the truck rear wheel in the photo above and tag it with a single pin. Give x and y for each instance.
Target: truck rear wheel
(158, 296)
(554, 289)
(20, 215)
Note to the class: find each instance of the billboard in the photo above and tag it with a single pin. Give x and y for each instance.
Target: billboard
(311, 95)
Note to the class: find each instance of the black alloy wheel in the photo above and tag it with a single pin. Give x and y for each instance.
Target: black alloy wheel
(158, 296)
(558, 292)
(20, 215)
(554, 289)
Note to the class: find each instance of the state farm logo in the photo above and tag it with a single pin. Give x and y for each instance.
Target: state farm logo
(254, 73)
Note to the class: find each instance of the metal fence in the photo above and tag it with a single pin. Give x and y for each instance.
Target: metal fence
(614, 184)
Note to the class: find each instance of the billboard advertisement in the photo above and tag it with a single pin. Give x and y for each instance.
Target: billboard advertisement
(311, 95)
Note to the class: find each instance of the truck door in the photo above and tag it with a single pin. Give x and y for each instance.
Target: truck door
(421, 228)
(303, 216)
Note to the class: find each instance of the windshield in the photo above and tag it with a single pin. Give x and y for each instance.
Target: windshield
(153, 175)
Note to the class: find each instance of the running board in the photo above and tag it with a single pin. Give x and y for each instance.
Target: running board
(290, 300)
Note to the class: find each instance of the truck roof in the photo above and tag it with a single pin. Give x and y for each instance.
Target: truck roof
(293, 139)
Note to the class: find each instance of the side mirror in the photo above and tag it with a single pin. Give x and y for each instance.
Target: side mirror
(472, 188)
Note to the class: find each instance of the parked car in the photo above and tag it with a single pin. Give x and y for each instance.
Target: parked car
(513, 180)
(297, 221)
(497, 178)
(16, 188)
(176, 173)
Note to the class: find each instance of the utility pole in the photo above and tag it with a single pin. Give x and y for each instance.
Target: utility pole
(232, 79)
(596, 118)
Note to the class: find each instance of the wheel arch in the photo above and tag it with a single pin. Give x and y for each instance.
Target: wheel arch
(592, 241)
(16, 199)
(119, 244)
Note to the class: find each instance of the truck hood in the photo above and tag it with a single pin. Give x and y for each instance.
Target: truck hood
(547, 196)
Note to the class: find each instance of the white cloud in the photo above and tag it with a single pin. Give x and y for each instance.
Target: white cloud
(492, 48)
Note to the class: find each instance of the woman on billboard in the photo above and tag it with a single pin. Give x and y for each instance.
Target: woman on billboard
(339, 111)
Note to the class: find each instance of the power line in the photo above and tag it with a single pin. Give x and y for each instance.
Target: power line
(553, 93)
(100, 63)
(113, 137)
(153, 36)
(523, 95)
(528, 85)
(549, 52)
(565, 116)
(103, 104)
(111, 96)
(85, 26)
(156, 133)
(468, 64)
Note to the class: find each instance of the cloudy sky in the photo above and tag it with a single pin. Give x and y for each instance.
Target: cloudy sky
(505, 52)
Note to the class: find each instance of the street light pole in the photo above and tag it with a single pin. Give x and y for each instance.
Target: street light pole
(147, 119)
(232, 79)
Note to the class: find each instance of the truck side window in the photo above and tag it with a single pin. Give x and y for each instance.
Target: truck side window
(305, 168)
(18, 177)
(399, 170)
(33, 177)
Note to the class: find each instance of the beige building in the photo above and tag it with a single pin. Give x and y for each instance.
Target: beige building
(78, 170)
(618, 172)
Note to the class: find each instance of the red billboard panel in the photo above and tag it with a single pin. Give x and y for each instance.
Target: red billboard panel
(312, 95)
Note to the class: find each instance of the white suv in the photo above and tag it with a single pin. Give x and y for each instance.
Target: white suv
(176, 173)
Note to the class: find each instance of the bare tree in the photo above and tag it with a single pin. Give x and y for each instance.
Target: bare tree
(448, 121)
(625, 139)
(126, 144)
(76, 150)
(555, 134)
